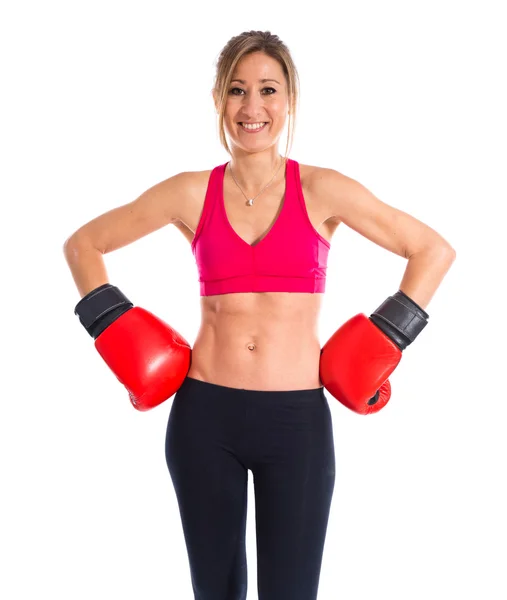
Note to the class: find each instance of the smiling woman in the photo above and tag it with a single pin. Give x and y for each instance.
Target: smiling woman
(249, 393)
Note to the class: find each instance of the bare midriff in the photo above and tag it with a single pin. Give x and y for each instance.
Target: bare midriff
(259, 341)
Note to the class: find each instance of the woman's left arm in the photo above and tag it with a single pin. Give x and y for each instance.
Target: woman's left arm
(429, 255)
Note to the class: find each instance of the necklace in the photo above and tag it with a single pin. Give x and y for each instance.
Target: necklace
(250, 201)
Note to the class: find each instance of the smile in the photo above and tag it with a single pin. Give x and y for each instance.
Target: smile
(252, 128)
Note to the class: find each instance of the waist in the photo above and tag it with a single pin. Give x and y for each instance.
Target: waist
(264, 361)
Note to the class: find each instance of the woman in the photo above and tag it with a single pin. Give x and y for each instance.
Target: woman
(260, 228)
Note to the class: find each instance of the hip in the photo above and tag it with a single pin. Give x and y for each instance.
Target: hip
(209, 423)
(204, 412)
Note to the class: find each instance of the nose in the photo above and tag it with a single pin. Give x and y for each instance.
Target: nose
(252, 107)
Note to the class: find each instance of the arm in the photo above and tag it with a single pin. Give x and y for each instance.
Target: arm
(156, 207)
(429, 255)
(360, 356)
(148, 357)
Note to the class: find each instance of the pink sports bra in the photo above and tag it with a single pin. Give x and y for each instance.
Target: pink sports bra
(291, 257)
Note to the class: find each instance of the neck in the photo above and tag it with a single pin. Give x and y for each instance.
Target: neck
(252, 171)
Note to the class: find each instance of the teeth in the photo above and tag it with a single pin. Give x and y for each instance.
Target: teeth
(252, 125)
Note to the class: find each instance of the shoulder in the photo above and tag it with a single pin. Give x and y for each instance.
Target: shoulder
(317, 177)
(321, 185)
(197, 178)
(195, 184)
(341, 194)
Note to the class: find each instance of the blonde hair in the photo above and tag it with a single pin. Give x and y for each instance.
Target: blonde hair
(241, 45)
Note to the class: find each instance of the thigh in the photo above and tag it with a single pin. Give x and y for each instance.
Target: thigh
(293, 493)
(211, 488)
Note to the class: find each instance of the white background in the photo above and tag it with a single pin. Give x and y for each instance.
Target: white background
(100, 101)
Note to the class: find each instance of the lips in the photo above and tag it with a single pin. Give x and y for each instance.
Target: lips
(256, 130)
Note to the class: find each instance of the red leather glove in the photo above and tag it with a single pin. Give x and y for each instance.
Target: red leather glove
(147, 356)
(355, 363)
(358, 358)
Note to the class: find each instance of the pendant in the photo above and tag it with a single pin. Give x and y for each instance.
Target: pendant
(250, 202)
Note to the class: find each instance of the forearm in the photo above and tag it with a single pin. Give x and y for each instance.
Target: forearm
(424, 273)
(86, 264)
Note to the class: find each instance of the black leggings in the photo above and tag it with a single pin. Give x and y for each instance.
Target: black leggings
(214, 435)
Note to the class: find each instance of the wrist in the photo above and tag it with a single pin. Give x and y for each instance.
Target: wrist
(101, 307)
(400, 318)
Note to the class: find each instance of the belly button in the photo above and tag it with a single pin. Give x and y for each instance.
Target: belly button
(251, 346)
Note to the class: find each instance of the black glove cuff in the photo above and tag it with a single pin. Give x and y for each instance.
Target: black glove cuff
(101, 307)
(400, 318)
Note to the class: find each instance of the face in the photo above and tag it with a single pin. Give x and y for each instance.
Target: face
(253, 101)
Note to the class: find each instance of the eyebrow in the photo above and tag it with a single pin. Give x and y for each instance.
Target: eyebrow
(260, 81)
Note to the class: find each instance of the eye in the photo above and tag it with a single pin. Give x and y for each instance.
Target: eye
(236, 88)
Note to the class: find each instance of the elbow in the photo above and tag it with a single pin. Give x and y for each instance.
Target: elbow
(443, 252)
(74, 244)
(450, 253)
(67, 244)
(70, 245)
(442, 247)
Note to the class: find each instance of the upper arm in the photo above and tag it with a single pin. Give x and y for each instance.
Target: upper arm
(153, 209)
(353, 204)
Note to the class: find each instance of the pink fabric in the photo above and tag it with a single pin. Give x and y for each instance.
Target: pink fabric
(291, 257)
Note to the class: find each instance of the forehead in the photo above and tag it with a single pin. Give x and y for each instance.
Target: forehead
(258, 66)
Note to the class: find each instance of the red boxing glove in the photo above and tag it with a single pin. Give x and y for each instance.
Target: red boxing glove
(147, 356)
(357, 360)
(355, 363)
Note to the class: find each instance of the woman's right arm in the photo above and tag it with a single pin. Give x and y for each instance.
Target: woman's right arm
(156, 207)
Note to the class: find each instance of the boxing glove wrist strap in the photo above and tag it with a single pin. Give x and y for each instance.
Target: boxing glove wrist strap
(100, 307)
(400, 318)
